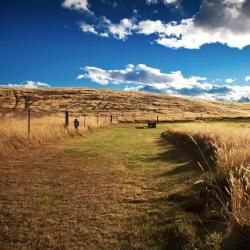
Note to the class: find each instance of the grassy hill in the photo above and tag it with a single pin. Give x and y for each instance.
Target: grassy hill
(156, 171)
(124, 103)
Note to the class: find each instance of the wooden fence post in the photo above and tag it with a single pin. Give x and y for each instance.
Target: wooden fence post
(111, 119)
(157, 118)
(97, 119)
(29, 116)
(66, 119)
(84, 120)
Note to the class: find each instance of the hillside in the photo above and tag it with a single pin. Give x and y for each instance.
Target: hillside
(93, 101)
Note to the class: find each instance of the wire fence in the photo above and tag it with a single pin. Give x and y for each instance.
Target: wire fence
(29, 127)
(30, 122)
(18, 129)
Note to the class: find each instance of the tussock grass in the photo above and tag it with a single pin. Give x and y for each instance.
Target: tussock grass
(129, 106)
(230, 144)
(14, 130)
(103, 191)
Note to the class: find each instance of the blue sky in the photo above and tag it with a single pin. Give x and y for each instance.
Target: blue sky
(178, 47)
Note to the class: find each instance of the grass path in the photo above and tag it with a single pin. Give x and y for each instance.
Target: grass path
(106, 190)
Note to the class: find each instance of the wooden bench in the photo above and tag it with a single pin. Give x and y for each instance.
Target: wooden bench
(151, 124)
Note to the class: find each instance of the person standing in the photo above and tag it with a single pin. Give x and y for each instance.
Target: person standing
(76, 125)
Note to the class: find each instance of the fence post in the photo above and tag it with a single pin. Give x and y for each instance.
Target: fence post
(29, 116)
(97, 119)
(157, 118)
(111, 119)
(84, 120)
(66, 119)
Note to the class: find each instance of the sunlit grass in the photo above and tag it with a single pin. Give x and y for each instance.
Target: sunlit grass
(231, 143)
(14, 130)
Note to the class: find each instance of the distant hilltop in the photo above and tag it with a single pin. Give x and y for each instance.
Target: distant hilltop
(95, 101)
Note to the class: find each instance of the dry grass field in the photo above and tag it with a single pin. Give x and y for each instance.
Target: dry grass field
(118, 188)
(229, 177)
(48, 107)
(129, 106)
(14, 130)
(124, 186)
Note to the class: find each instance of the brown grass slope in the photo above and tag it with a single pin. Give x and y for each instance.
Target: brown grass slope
(124, 103)
(101, 191)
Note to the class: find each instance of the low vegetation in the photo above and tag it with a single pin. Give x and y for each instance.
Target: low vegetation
(48, 106)
(130, 106)
(161, 209)
(112, 189)
(14, 130)
(224, 155)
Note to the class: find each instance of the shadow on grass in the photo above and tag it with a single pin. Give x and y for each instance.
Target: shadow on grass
(141, 127)
(180, 160)
(169, 218)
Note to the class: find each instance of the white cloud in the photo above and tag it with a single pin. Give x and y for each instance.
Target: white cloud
(88, 28)
(27, 84)
(96, 75)
(148, 27)
(104, 34)
(207, 27)
(122, 29)
(149, 2)
(230, 27)
(230, 80)
(170, 1)
(247, 78)
(187, 34)
(172, 83)
(138, 74)
(76, 5)
(106, 28)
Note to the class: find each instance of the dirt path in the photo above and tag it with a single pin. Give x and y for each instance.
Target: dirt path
(107, 190)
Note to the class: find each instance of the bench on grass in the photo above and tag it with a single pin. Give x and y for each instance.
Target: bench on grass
(152, 124)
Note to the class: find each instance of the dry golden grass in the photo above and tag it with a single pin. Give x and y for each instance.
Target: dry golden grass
(14, 130)
(48, 106)
(232, 145)
(47, 124)
(130, 106)
(107, 190)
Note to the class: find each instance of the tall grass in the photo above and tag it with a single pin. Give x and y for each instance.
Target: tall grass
(231, 144)
(14, 130)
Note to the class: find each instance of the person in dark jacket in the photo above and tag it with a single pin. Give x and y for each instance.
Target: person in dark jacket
(76, 125)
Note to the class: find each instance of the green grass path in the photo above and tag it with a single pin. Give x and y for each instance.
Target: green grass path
(106, 190)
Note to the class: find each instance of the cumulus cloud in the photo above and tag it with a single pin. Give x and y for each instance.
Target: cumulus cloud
(27, 84)
(138, 74)
(121, 30)
(88, 28)
(218, 21)
(144, 78)
(96, 75)
(105, 28)
(76, 5)
(210, 92)
(247, 78)
(149, 2)
(170, 1)
(230, 80)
